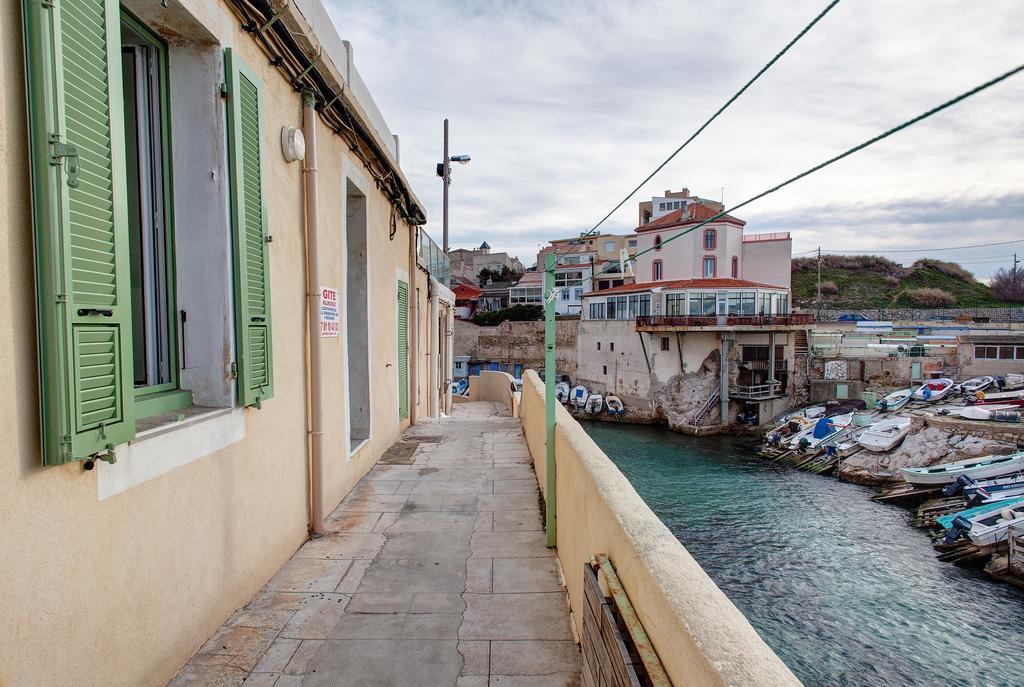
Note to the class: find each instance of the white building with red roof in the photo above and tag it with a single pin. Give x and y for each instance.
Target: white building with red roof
(705, 292)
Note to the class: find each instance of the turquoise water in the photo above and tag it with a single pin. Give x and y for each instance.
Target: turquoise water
(841, 587)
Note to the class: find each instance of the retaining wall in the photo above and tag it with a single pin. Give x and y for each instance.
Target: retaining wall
(700, 636)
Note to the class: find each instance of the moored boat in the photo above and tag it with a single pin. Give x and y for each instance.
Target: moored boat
(1000, 396)
(1013, 381)
(595, 403)
(562, 392)
(884, 435)
(615, 406)
(968, 486)
(975, 384)
(895, 400)
(460, 387)
(977, 468)
(934, 389)
(818, 433)
(578, 396)
(946, 521)
(986, 529)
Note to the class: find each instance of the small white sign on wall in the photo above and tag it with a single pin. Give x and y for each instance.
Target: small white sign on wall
(330, 324)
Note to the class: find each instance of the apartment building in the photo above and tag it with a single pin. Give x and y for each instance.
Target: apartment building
(221, 312)
(579, 259)
(705, 292)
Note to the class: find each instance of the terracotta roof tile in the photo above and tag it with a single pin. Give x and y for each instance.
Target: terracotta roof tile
(692, 213)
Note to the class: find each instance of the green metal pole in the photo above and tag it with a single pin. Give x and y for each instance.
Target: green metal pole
(549, 395)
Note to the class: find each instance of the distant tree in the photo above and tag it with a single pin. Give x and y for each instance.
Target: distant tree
(1008, 285)
(931, 298)
(490, 274)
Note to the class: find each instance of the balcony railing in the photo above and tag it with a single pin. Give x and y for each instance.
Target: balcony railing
(756, 392)
(436, 260)
(762, 365)
(774, 236)
(725, 320)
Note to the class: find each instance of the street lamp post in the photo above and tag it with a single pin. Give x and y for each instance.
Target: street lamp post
(444, 170)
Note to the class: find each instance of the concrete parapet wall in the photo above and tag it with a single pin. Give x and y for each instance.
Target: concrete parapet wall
(700, 636)
(494, 386)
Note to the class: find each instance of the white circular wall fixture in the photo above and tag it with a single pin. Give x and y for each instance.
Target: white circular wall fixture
(293, 143)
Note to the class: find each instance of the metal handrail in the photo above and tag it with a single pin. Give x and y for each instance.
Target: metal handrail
(729, 320)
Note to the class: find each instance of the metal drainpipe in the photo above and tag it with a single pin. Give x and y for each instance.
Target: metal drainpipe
(435, 349)
(309, 172)
(414, 328)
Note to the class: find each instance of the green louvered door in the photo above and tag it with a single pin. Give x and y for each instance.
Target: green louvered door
(80, 221)
(249, 227)
(403, 350)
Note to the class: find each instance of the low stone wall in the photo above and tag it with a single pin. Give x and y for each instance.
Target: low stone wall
(926, 314)
(700, 636)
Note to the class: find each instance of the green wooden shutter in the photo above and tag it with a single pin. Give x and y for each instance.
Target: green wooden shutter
(403, 350)
(83, 299)
(249, 229)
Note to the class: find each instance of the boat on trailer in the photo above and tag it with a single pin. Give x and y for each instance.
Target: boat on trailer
(934, 390)
(884, 435)
(977, 468)
(895, 400)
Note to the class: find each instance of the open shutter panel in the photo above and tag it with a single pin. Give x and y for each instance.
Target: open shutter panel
(80, 222)
(249, 227)
(403, 350)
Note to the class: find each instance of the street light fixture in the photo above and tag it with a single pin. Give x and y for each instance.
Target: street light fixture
(444, 170)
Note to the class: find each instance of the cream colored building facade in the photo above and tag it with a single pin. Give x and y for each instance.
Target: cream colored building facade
(114, 575)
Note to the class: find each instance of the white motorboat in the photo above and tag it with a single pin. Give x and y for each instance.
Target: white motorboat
(805, 439)
(976, 468)
(595, 403)
(975, 384)
(986, 529)
(884, 435)
(793, 425)
(983, 412)
(895, 400)
(562, 392)
(1013, 381)
(996, 396)
(615, 406)
(578, 396)
(934, 389)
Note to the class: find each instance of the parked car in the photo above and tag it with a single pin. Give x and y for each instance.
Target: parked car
(943, 318)
(853, 317)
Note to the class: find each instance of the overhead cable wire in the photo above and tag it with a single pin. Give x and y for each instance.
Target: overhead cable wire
(925, 250)
(850, 151)
(705, 125)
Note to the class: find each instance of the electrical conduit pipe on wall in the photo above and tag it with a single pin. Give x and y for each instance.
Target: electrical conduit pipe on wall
(309, 177)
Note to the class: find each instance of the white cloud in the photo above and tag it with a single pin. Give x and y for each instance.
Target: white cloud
(567, 106)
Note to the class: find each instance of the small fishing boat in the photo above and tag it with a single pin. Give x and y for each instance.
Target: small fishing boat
(1000, 396)
(806, 439)
(975, 384)
(1013, 381)
(946, 521)
(460, 387)
(977, 412)
(978, 468)
(986, 529)
(794, 425)
(595, 403)
(578, 396)
(615, 406)
(934, 390)
(884, 435)
(814, 411)
(999, 403)
(895, 400)
(562, 392)
(968, 486)
(980, 497)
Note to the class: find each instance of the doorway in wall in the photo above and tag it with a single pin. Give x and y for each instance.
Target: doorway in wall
(357, 317)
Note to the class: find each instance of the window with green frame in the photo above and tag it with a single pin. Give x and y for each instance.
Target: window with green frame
(150, 220)
(103, 230)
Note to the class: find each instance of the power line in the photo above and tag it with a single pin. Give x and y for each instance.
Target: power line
(919, 250)
(861, 146)
(705, 125)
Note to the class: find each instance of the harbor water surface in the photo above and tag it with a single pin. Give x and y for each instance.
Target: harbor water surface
(841, 587)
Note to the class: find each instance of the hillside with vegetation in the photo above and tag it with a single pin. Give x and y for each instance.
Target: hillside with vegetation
(850, 282)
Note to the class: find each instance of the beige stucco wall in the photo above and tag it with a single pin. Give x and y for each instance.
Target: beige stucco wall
(491, 385)
(700, 636)
(122, 591)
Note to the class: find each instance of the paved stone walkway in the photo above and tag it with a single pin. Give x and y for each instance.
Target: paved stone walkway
(433, 572)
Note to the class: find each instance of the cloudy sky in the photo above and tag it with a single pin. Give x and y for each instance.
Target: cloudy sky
(566, 106)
